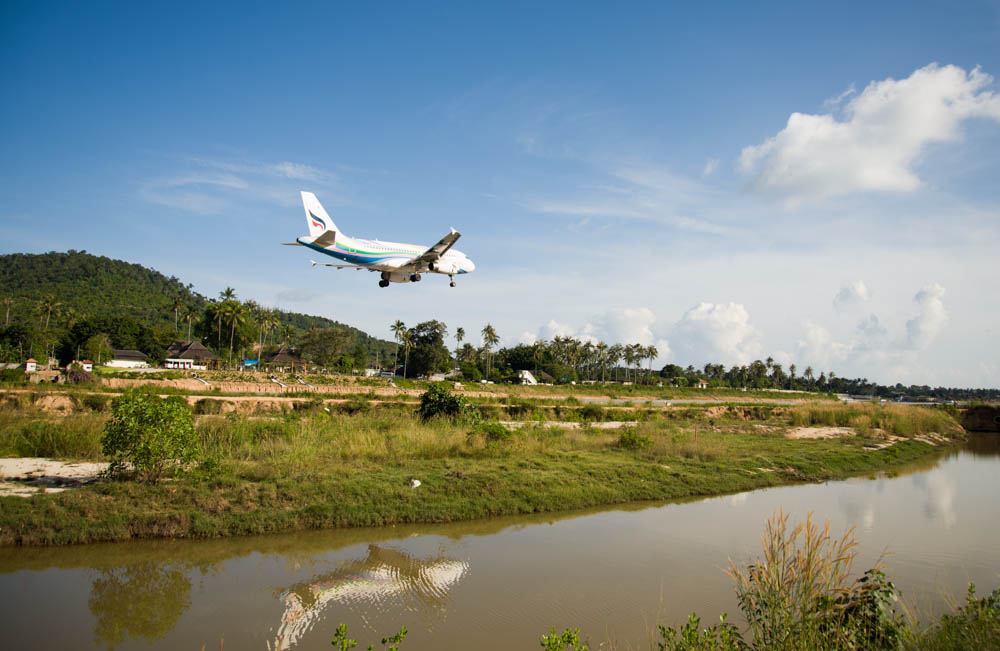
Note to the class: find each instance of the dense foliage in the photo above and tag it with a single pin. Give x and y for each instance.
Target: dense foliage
(148, 437)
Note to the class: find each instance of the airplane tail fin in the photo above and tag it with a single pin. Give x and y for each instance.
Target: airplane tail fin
(319, 222)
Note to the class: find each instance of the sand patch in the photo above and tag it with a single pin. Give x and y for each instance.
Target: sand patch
(55, 404)
(26, 476)
(819, 432)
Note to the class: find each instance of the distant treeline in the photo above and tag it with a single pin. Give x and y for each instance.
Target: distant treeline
(74, 304)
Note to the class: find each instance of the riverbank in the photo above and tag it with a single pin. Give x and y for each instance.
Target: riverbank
(310, 469)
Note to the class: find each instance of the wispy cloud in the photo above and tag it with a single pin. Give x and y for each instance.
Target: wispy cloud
(216, 186)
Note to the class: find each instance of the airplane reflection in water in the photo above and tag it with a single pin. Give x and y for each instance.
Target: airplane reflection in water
(384, 573)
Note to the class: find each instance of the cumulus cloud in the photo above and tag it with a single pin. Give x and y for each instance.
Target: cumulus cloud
(922, 329)
(818, 348)
(874, 147)
(851, 294)
(716, 331)
(710, 166)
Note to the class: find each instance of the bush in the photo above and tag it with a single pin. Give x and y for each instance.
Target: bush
(13, 376)
(632, 440)
(207, 406)
(147, 436)
(79, 376)
(493, 432)
(95, 402)
(592, 413)
(439, 401)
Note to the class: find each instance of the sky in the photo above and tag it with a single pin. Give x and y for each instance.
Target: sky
(819, 183)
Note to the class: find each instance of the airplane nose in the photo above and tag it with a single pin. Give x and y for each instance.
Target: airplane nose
(469, 266)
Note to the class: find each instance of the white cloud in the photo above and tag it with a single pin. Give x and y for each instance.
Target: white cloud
(885, 129)
(710, 166)
(851, 294)
(716, 332)
(922, 329)
(218, 186)
(817, 347)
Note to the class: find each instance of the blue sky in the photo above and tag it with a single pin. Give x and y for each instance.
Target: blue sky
(727, 181)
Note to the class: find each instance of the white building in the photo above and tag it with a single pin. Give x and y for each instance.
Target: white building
(127, 359)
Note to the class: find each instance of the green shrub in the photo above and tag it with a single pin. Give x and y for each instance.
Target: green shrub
(13, 376)
(147, 436)
(492, 432)
(95, 402)
(630, 439)
(439, 401)
(207, 406)
(355, 405)
(975, 626)
(592, 413)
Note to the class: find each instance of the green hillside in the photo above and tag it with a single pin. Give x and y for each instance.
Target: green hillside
(50, 302)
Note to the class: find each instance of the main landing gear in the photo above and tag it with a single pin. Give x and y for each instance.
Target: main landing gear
(414, 278)
(383, 283)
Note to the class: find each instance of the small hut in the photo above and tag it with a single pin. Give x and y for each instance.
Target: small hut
(284, 358)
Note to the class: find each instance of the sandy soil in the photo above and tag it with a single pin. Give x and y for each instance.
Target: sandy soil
(26, 476)
(819, 432)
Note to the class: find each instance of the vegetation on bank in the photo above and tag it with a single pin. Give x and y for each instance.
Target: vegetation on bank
(801, 595)
(313, 468)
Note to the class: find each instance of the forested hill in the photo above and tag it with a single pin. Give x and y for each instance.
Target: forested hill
(88, 285)
(51, 292)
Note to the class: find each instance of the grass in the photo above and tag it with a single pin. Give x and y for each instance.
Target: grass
(309, 468)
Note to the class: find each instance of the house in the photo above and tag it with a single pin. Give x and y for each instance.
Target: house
(700, 384)
(31, 365)
(86, 365)
(127, 359)
(189, 355)
(285, 358)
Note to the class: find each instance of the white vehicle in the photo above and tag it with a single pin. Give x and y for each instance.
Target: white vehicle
(399, 263)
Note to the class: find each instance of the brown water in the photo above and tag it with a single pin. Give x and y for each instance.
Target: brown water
(496, 584)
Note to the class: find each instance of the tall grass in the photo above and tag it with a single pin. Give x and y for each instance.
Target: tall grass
(37, 436)
(900, 420)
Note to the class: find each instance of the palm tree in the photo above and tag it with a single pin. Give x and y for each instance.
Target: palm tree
(651, 353)
(236, 314)
(269, 322)
(407, 339)
(72, 317)
(7, 302)
(48, 304)
(459, 336)
(178, 304)
(227, 294)
(397, 328)
(188, 313)
(490, 339)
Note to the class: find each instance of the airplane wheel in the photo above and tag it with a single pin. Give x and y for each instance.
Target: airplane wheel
(383, 283)
(453, 283)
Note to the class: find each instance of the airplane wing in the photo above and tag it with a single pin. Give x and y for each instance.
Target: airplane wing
(434, 253)
(337, 266)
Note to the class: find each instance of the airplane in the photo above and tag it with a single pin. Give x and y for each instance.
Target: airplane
(399, 263)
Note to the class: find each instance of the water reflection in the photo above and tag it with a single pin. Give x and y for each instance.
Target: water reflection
(385, 573)
(141, 601)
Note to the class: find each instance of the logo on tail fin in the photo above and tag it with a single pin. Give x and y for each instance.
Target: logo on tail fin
(317, 221)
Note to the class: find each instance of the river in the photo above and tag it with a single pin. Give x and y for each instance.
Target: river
(498, 584)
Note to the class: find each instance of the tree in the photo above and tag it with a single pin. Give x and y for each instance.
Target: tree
(490, 339)
(178, 303)
(397, 328)
(324, 346)
(98, 348)
(48, 304)
(407, 341)
(148, 437)
(428, 354)
(459, 336)
(236, 314)
(7, 302)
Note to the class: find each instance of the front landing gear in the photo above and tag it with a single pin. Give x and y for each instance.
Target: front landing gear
(452, 279)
